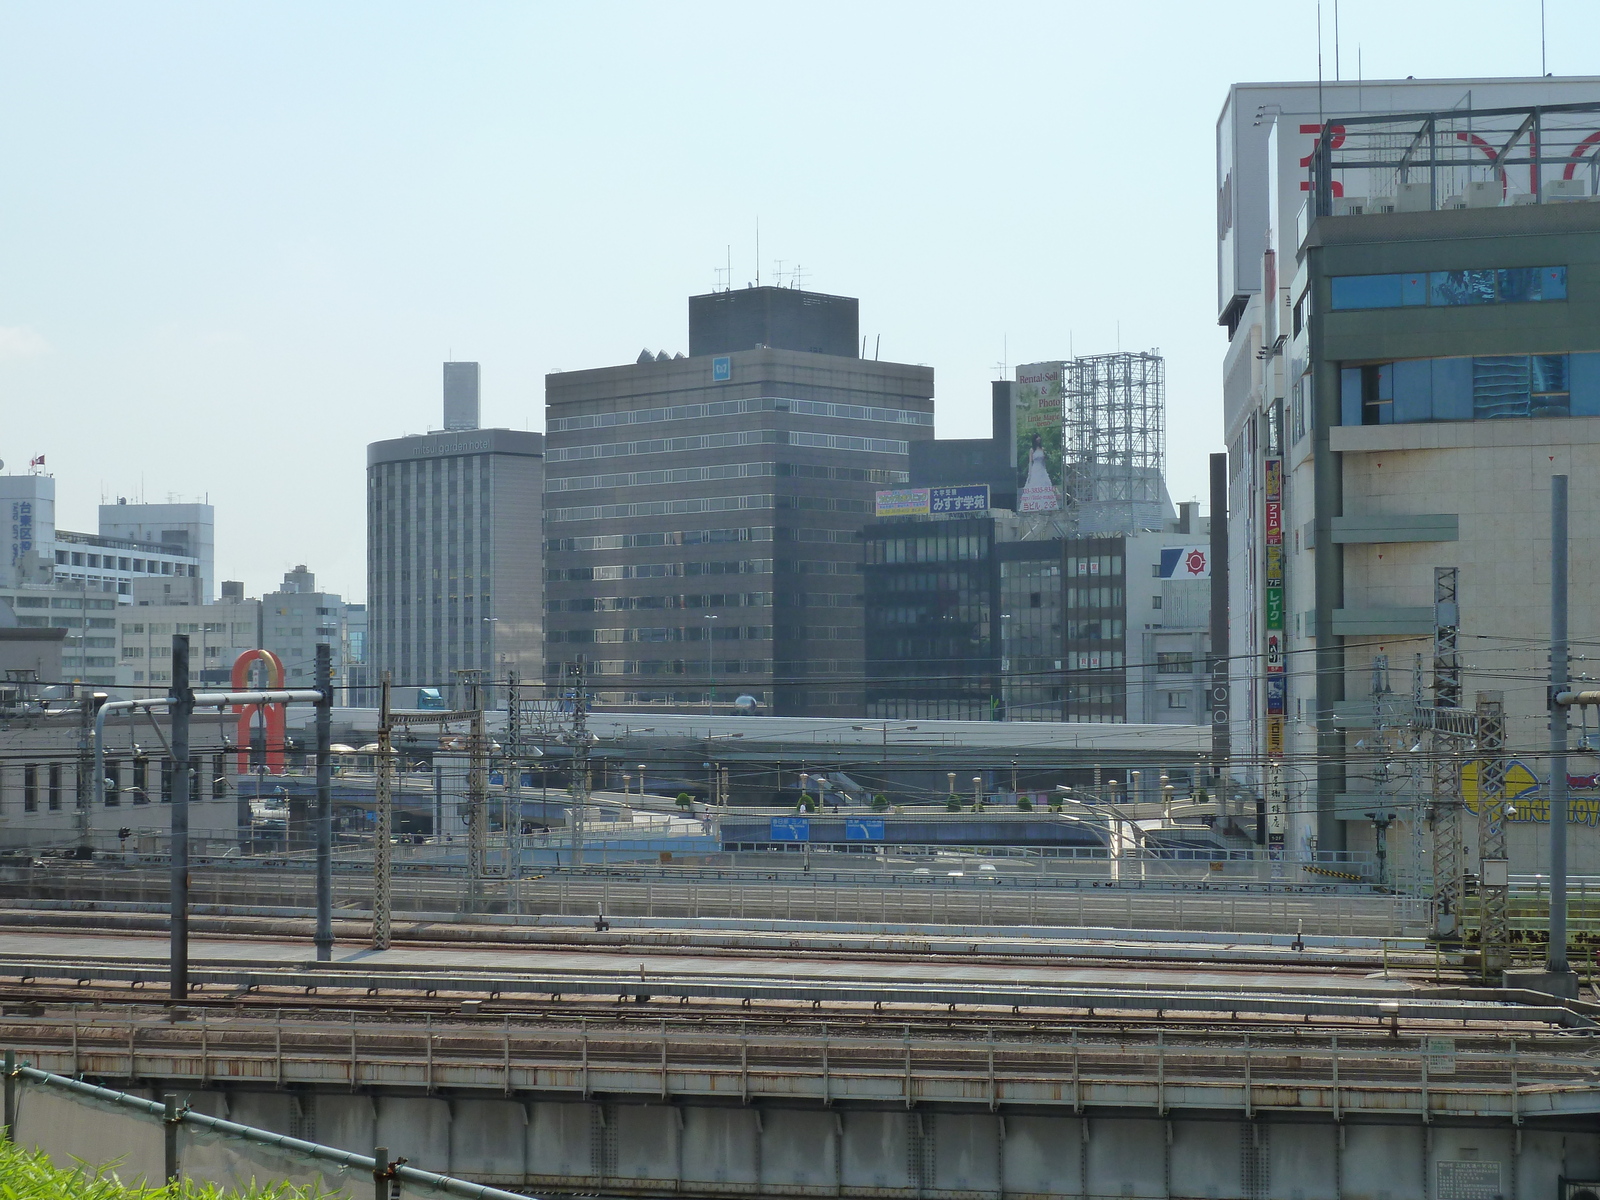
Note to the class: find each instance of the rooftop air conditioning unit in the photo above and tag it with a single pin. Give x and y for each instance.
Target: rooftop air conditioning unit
(1485, 193)
(1565, 189)
(1412, 197)
(1349, 206)
(1455, 202)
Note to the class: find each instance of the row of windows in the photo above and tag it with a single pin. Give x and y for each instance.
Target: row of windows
(1464, 389)
(1099, 630)
(970, 616)
(669, 666)
(71, 603)
(728, 408)
(583, 483)
(1177, 662)
(716, 441)
(683, 537)
(1097, 564)
(110, 562)
(938, 547)
(748, 566)
(963, 583)
(665, 633)
(579, 483)
(648, 603)
(667, 508)
(1513, 285)
(1095, 597)
(50, 783)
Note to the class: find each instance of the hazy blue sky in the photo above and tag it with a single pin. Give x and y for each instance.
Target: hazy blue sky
(236, 241)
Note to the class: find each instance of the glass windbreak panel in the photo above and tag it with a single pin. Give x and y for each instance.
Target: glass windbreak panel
(1461, 287)
(1547, 377)
(1350, 396)
(1366, 291)
(1500, 386)
(1583, 376)
(1522, 285)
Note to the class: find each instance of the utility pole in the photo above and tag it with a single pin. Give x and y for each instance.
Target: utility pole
(324, 930)
(179, 710)
(382, 855)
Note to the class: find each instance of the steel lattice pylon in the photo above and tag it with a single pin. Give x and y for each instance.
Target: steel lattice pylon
(1448, 848)
(1493, 885)
(383, 803)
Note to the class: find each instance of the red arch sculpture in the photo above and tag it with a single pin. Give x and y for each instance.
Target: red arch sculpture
(272, 714)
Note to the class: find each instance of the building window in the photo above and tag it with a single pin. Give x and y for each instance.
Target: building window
(141, 778)
(113, 785)
(166, 781)
(219, 778)
(55, 787)
(30, 788)
(1463, 389)
(1155, 601)
(1174, 663)
(1177, 699)
(1484, 285)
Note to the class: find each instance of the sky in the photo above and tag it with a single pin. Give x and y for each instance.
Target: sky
(237, 240)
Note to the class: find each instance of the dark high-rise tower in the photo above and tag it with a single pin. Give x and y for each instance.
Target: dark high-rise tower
(702, 513)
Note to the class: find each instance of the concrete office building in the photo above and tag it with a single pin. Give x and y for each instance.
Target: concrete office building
(289, 622)
(453, 549)
(1412, 355)
(702, 512)
(53, 578)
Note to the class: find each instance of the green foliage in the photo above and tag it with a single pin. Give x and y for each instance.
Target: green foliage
(953, 804)
(26, 1175)
(880, 802)
(1024, 804)
(685, 800)
(1200, 796)
(808, 804)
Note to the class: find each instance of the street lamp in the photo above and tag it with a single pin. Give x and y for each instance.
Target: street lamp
(711, 671)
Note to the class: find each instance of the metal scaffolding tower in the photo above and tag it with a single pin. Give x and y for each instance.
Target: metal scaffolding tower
(1115, 441)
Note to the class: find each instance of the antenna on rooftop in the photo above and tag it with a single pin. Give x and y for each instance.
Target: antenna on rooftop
(725, 274)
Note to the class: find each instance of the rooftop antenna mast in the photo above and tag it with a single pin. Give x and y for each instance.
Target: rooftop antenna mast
(758, 251)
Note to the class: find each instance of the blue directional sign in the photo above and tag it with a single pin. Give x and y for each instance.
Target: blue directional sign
(721, 369)
(790, 829)
(863, 830)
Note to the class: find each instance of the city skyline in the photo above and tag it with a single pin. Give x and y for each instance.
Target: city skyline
(241, 244)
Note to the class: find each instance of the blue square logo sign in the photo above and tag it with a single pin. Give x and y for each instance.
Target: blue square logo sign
(721, 369)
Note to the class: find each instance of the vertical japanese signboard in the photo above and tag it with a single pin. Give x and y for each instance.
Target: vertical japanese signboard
(1273, 634)
(1038, 421)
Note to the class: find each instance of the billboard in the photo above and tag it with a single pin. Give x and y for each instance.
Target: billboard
(923, 502)
(1037, 419)
(1186, 562)
(968, 498)
(902, 502)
